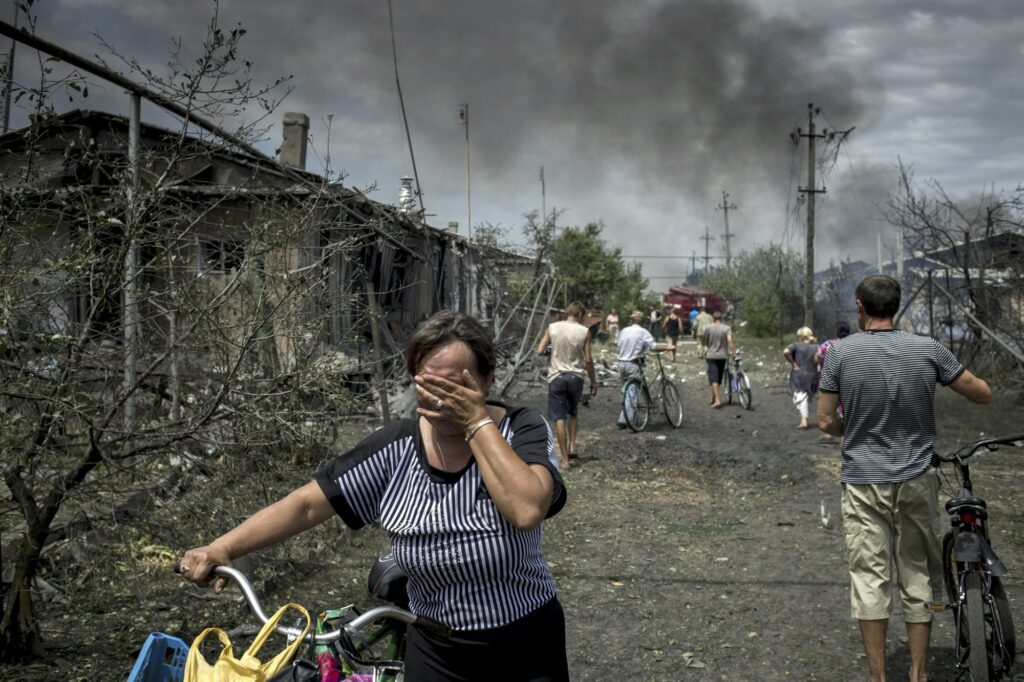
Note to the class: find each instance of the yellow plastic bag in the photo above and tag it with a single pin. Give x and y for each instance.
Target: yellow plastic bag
(227, 668)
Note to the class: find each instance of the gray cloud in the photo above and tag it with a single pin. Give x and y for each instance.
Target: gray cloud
(640, 112)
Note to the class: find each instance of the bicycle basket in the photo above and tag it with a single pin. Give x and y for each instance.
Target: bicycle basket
(162, 659)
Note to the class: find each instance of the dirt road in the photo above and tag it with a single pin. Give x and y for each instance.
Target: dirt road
(696, 553)
(699, 553)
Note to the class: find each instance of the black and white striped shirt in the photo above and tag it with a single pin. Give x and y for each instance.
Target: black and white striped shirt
(886, 384)
(468, 567)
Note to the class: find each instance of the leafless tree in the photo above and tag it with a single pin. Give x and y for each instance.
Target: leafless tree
(980, 242)
(234, 291)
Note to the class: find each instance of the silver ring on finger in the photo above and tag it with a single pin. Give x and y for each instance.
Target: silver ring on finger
(439, 404)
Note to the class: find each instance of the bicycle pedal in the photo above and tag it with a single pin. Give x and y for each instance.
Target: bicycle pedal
(938, 606)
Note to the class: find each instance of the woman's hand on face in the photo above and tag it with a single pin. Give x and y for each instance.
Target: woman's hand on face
(196, 564)
(464, 404)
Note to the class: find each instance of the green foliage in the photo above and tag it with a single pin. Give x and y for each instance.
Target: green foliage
(593, 272)
(766, 285)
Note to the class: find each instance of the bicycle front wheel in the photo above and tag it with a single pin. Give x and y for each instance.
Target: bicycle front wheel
(636, 405)
(1004, 621)
(977, 651)
(672, 404)
(746, 397)
(728, 386)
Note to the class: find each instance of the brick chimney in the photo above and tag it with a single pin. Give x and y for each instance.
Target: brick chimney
(293, 143)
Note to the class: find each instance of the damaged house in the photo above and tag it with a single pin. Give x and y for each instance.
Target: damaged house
(327, 269)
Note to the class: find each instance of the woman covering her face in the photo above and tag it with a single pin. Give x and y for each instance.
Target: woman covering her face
(461, 490)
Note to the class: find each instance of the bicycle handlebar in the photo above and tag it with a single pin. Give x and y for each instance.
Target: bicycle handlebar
(372, 616)
(966, 451)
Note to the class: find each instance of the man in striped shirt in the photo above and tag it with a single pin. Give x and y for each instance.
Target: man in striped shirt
(885, 380)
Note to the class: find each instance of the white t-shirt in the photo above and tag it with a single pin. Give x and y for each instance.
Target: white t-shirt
(567, 342)
(634, 342)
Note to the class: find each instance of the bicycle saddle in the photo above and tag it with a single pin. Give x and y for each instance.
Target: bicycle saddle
(388, 581)
(966, 501)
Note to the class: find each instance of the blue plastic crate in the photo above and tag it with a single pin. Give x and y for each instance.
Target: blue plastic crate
(162, 659)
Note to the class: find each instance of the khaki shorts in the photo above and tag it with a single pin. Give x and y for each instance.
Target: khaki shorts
(891, 541)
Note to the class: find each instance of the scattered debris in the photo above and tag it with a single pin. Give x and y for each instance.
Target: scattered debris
(691, 661)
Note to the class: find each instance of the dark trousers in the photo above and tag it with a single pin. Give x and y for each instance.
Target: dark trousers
(531, 649)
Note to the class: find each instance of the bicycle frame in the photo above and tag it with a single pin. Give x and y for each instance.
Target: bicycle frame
(732, 382)
(361, 621)
(734, 374)
(350, 641)
(967, 552)
(657, 392)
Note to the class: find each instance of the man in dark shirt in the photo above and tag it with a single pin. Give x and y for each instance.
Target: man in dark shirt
(885, 380)
(718, 341)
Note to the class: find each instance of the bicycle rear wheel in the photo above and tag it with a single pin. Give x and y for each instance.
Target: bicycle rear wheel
(950, 569)
(672, 404)
(636, 404)
(746, 397)
(974, 605)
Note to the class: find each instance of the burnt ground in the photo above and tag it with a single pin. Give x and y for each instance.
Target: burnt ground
(693, 553)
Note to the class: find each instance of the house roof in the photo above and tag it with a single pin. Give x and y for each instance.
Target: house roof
(303, 183)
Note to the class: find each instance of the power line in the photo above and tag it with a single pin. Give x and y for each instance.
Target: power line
(725, 207)
(707, 239)
(811, 191)
(678, 257)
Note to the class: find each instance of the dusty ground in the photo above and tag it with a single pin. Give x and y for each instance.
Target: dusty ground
(695, 553)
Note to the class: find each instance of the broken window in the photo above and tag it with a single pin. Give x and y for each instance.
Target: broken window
(218, 255)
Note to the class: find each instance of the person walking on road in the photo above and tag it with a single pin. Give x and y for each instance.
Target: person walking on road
(841, 332)
(700, 325)
(571, 360)
(803, 375)
(719, 345)
(634, 342)
(672, 328)
(654, 325)
(885, 380)
(613, 325)
(691, 328)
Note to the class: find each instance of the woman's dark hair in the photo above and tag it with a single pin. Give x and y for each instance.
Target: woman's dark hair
(444, 327)
(842, 330)
(880, 295)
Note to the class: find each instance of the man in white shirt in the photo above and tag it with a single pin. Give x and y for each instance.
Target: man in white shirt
(634, 342)
(570, 361)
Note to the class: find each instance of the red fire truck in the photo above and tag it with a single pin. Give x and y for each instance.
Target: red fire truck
(689, 298)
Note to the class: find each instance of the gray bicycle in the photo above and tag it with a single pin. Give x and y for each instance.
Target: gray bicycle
(640, 397)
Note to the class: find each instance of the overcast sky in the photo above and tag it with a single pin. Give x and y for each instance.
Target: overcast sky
(641, 113)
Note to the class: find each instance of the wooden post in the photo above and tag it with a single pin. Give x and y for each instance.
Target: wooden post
(378, 367)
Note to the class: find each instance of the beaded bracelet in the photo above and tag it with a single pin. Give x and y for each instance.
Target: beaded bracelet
(476, 427)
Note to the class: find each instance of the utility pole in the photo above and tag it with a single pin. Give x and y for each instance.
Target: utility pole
(130, 296)
(811, 190)
(543, 201)
(707, 244)
(693, 262)
(464, 117)
(725, 207)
